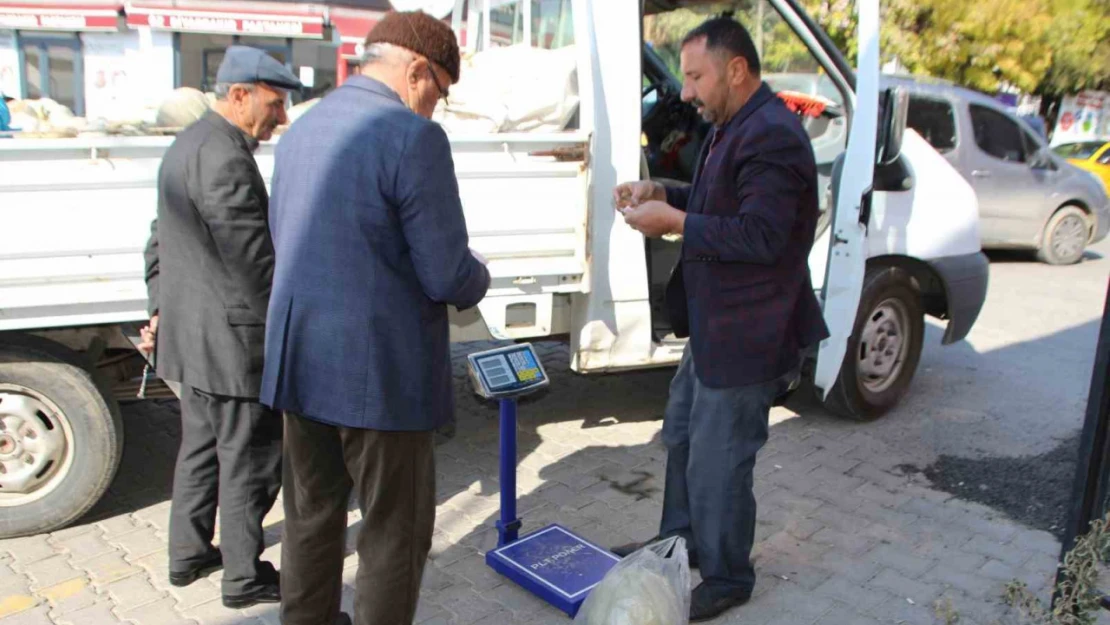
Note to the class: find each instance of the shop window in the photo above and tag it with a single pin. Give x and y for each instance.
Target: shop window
(314, 62)
(199, 57)
(53, 68)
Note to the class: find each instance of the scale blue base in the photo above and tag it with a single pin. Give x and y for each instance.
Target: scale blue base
(554, 564)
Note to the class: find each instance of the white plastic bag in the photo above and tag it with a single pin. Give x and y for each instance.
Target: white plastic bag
(649, 587)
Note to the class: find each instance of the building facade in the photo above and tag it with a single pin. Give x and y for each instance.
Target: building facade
(112, 59)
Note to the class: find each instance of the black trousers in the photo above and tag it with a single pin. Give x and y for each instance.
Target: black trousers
(393, 476)
(231, 455)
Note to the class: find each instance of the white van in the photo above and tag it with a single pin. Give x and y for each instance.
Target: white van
(536, 187)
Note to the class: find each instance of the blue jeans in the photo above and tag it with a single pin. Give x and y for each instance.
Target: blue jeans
(712, 437)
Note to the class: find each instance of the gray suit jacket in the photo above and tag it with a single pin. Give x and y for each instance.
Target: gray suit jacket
(210, 260)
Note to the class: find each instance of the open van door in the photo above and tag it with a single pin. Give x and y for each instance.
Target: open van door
(847, 260)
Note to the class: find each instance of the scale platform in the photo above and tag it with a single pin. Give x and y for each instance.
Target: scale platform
(555, 564)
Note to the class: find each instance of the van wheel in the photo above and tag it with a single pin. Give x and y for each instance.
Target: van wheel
(1065, 236)
(61, 436)
(884, 348)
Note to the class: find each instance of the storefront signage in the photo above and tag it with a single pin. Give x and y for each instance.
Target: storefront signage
(262, 25)
(56, 21)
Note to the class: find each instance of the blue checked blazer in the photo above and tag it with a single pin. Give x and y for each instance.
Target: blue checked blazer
(371, 248)
(742, 289)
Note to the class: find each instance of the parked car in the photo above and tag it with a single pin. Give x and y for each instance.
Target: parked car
(1029, 196)
(1093, 156)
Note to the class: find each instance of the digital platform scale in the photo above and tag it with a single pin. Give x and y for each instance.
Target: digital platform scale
(553, 563)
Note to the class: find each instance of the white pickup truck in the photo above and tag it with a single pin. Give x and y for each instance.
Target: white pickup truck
(899, 241)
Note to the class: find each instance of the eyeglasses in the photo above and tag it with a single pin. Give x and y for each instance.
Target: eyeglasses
(443, 93)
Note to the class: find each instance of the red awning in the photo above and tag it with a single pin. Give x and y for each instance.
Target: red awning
(227, 18)
(66, 16)
(352, 26)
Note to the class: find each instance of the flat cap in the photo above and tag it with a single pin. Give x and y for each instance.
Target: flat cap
(247, 65)
(421, 33)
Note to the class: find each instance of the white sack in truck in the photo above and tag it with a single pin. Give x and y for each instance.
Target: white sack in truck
(513, 89)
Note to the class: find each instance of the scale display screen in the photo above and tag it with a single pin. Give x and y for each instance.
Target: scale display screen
(507, 371)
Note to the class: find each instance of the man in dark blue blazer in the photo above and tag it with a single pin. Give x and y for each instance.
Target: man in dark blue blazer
(371, 248)
(743, 294)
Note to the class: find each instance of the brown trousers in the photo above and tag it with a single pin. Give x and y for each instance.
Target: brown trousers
(393, 477)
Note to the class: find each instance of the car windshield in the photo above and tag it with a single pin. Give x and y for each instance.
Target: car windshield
(1080, 151)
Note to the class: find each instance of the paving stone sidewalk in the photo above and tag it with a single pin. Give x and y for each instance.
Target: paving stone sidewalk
(844, 537)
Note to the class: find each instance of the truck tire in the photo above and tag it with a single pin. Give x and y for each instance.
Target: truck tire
(61, 436)
(884, 348)
(1065, 236)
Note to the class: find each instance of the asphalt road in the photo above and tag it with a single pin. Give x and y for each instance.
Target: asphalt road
(995, 418)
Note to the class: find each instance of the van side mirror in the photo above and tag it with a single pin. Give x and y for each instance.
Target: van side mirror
(894, 106)
(1041, 160)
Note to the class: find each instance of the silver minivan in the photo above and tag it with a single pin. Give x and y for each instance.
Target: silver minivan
(1029, 197)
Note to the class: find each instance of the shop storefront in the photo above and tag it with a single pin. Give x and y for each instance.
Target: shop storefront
(42, 47)
(117, 59)
(296, 35)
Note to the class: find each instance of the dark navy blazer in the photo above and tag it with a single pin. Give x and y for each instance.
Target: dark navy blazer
(371, 247)
(744, 273)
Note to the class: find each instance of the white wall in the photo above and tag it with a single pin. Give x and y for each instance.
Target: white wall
(9, 65)
(127, 74)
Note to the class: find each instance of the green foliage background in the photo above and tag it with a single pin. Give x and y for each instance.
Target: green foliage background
(1049, 47)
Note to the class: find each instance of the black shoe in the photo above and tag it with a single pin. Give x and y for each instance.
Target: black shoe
(707, 603)
(626, 550)
(343, 619)
(204, 568)
(268, 592)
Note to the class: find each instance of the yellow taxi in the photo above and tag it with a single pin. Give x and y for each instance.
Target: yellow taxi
(1093, 156)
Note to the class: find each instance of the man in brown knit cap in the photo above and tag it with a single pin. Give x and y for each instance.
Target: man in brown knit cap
(371, 248)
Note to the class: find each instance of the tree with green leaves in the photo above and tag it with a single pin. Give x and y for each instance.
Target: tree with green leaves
(1038, 46)
(1079, 39)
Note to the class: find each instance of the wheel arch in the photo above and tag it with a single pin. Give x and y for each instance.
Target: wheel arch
(929, 284)
(1073, 202)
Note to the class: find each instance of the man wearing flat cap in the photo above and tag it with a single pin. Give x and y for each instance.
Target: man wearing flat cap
(371, 249)
(209, 265)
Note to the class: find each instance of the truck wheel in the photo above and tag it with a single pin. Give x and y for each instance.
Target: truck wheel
(1065, 236)
(884, 348)
(61, 436)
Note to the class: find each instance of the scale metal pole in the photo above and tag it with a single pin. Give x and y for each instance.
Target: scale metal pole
(508, 528)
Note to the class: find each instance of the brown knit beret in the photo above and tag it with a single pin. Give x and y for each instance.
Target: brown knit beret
(421, 33)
